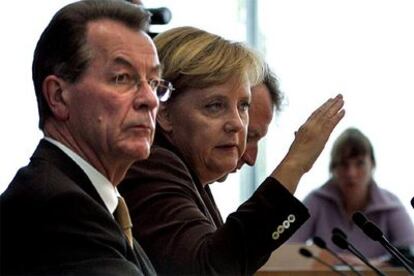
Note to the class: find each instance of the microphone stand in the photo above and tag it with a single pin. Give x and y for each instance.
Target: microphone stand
(365, 260)
(375, 233)
(370, 228)
(345, 262)
(322, 245)
(306, 253)
(344, 244)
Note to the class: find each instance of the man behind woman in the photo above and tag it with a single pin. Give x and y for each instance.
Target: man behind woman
(200, 138)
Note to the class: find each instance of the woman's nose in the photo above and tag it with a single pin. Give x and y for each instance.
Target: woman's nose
(235, 122)
(351, 171)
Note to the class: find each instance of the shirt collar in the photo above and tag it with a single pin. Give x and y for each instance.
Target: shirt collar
(380, 199)
(103, 186)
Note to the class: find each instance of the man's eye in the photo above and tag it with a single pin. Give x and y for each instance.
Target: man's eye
(121, 79)
(245, 106)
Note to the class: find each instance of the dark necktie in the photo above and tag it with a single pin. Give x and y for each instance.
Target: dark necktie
(121, 215)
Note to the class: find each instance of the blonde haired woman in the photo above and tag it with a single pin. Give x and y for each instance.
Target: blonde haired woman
(200, 137)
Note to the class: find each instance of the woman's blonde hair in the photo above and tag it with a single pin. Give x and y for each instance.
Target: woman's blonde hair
(193, 58)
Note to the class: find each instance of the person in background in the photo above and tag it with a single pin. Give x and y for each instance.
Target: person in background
(200, 137)
(352, 188)
(97, 82)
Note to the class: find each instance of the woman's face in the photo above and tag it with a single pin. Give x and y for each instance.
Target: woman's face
(209, 126)
(354, 174)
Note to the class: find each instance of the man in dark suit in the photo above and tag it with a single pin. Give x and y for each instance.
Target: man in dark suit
(97, 77)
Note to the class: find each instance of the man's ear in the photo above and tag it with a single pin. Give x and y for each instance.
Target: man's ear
(163, 118)
(53, 88)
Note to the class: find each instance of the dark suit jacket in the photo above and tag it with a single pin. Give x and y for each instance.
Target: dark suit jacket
(180, 228)
(54, 222)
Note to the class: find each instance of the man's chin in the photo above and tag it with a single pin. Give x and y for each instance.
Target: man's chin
(239, 166)
(139, 152)
(223, 178)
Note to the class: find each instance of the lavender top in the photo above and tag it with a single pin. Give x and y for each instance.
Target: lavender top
(327, 212)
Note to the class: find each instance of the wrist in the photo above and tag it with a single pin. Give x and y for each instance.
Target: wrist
(288, 173)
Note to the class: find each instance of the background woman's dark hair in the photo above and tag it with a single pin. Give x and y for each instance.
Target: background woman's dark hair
(351, 143)
(62, 49)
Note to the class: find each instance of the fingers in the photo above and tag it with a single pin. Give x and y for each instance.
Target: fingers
(330, 107)
(334, 112)
(310, 139)
(336, 104)
(336, 118)
(329, 114)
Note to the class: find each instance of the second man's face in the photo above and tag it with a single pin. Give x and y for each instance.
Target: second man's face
(260, 117)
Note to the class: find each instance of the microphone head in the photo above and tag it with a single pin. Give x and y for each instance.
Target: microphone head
(339, 232)
(305, 252)
(372, 231)
(319, 242)
(339, 241)
(412, 202)
(359, 218)
(160, 16)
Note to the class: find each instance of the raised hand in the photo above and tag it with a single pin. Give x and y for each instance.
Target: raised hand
(310, 139)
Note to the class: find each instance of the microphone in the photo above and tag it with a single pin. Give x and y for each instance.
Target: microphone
(412, 202)
(339, 232)
(306, 253)
(160, 16)
(375, 233)
(322, 245)
(342, 243)
(359, 218)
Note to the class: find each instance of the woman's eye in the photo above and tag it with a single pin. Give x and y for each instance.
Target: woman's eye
(214, 107)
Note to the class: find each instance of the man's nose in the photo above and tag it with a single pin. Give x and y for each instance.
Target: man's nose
(146, 98)
(250, 155)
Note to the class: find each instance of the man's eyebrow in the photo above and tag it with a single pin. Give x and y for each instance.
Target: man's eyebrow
(123, 61)
(157, 69)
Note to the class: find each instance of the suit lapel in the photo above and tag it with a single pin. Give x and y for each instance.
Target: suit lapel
(50, 153)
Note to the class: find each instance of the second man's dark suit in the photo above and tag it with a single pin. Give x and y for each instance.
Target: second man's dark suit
(53, 222)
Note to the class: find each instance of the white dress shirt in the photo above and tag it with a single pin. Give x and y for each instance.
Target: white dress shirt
(104, 187)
